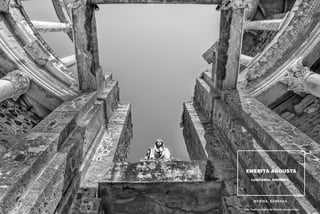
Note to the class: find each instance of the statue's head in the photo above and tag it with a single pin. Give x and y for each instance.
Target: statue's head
(159, 145)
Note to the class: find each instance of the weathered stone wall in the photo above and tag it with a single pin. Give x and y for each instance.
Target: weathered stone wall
(15, 120)
(239, 125)
(274, 133)
(304, 113)
(102, 162)
(42, 172)
(220, 165)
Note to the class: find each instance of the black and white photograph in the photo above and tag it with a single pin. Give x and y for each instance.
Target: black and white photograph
(159, 106)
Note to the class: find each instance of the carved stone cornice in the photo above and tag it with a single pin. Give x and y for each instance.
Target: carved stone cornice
(20, 83)
(296, 77)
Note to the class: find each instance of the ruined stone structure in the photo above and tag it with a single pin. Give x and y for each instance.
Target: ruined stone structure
(64, 136)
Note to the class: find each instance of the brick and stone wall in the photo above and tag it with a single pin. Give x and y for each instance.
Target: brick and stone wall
(15, 121)
(303, 112)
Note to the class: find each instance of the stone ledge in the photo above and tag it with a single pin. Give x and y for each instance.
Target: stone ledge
(87, 159)
(110, 97)
(265, 124)
(92, 122)
(66, 117)
(47, 189)
(203, 96)
(221, 165)
(159, 171)
(119, 129)
(69, 196)
(241, 138)
(276, 133)
(194, 133)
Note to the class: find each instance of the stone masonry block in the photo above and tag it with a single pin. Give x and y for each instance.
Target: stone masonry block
(81, 104)
(22, 163)
(110, 97)
(277, 134)
(103, 159)
(41, 192)
(73, 147)
(92, 123)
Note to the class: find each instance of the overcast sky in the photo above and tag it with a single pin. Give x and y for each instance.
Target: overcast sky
(154, 51)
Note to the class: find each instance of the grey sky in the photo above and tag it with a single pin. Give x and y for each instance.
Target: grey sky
(154, 51)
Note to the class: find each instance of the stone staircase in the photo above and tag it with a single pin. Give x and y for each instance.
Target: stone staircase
(215, 132)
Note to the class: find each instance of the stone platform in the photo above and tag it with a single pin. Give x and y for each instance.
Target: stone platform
(160, 187)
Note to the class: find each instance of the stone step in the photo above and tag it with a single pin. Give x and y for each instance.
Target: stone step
(239, 138)
(92, 122)
(65, 117)
(110, 96)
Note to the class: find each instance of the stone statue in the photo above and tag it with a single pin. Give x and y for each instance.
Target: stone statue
(158, 152)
